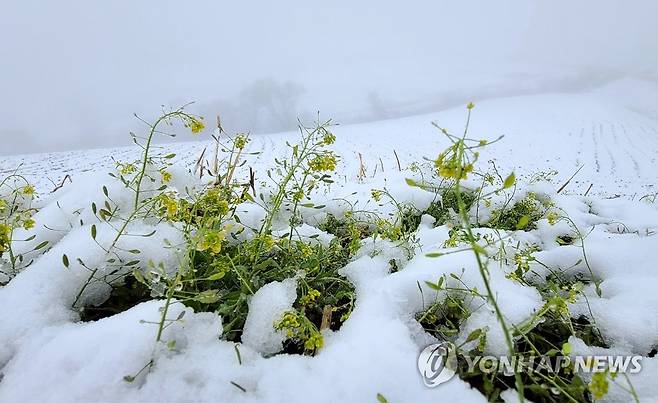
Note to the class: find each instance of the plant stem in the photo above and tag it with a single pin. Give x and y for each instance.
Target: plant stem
(481, 266)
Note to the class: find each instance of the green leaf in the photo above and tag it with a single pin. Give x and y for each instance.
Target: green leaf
(478, 249)
(65, 260)
(433, 286)
(523, 222)
(509, 181)
(207, 297)
(381, 398)
(93, 231)
(105, 214)
(139, 276)
(237, 353)
(475, 334)
(411, 182)
(438, 286)
(41, 245)
(434, 254)
(217, 276)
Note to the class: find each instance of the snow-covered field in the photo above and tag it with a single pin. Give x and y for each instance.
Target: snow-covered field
(46, 354)
(612, 132)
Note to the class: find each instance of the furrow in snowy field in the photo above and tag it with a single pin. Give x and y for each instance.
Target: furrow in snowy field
(614, 141)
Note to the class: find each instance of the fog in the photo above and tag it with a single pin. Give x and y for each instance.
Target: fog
(73, 72)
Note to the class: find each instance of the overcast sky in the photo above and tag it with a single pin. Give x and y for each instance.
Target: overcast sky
(72, 72)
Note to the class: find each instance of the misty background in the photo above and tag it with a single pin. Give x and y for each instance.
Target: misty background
(73, 72)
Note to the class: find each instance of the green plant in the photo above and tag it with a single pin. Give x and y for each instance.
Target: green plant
(547, 332)
(455, 164)
(219, 272)
(295, 177)
(16, 212)
(523, 215)
(151, 169)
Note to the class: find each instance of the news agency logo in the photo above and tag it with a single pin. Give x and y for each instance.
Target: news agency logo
(437, 363)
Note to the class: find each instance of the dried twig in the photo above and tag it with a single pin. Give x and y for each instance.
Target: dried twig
(588, 189)
(398, 160)
(61, 185)
(199, 163)
(326, 318)
(362, 168)
(252, 180)
(569, 180)
(215, 165)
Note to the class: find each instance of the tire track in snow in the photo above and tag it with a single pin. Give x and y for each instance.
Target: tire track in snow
(613, 162)
(631, 157)
(596, 150)
(631, 140)
(649, 138)
(580, 147)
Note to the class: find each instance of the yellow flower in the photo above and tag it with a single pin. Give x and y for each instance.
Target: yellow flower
(598, 385)
(328, 138)
(241, 141)
(552, 218)
(195, 125)
(289, 322)
(323, 162)
(268, 242)
(28, 224)
(312, 295)
(5, 233)
(28, 190)
(298, 195)
(166, 176)
(315, 342)
(127, 169)
(170, 206)
(376, 194)
(212, 240)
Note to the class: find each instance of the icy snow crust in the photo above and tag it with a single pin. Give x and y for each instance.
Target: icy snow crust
(47, 355)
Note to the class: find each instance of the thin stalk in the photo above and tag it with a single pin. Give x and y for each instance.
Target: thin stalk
(481, 266)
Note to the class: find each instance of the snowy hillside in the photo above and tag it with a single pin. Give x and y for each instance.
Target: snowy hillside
(592, 242)
(612, 132)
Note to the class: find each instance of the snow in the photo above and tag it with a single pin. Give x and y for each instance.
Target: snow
(47, 354)
(611, 136)
(266, 307)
